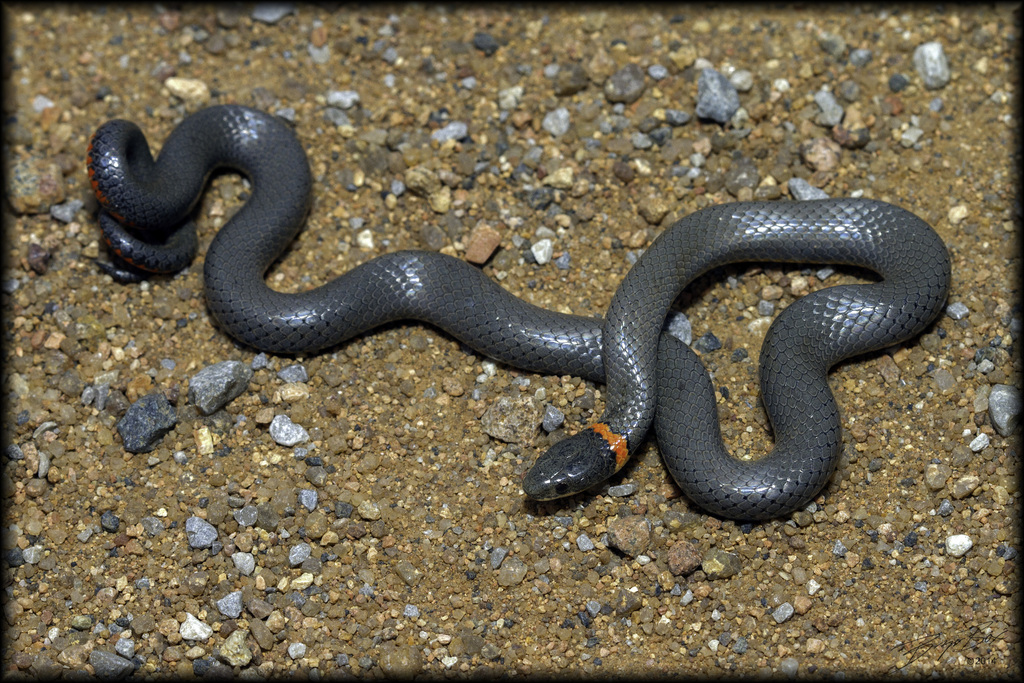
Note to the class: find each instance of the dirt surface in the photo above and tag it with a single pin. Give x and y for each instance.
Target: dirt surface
(424, 557)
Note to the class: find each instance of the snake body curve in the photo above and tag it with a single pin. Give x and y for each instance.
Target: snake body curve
(622, 350)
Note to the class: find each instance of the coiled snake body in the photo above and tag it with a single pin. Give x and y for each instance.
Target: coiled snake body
(641, 367)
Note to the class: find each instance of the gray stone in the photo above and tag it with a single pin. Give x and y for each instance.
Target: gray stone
(231, 605)
(246, 516)
(498, 556)
(109, 666)
(678, 325)
(626, 85)
(284, 432)
(298, 553)
(557, 122)
(931, 64)
(455, 130)
(308, 498)
(65, 212)
(717, 98)
(245, 563)
(296, 372)
(216, 385)
(553, 418)
(860, 56)
(831, 111)
(146, 422)
(783, 612)
(201, 534)
(957, 310)
(1004, 408)
(272, 12)
(803, 190)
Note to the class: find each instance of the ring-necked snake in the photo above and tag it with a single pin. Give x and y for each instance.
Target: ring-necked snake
(623, 350)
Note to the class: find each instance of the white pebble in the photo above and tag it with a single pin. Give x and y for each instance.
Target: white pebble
(958, 544)
(193, 629)
(542, 250)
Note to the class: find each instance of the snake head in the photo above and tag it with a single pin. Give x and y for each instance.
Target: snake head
(570, 466)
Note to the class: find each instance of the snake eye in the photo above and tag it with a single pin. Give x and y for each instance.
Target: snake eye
(562, 488)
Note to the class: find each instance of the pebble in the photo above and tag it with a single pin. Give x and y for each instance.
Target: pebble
(399, 662)
(369, 510)
(1004, 408)
(622, 490)
(512, 572)
(485, 42)
(34, 185)
(708, 342)
(719, 564)
(683, 558)
(346, 99)
(498, 556)
(898, 82)
(125, 647)
(742, 80)
(296, 372)
(109, 666)
(411, 611)
(110, 522)
(201, 534)
(789, 667)
(783, 612)
(965, 486)
(65, 212)
(272, 12)
(512, 420)
(193, 629)
(569, 80)
(831, 111)
(231, 604)
(284, 432)
(931, 64)
(456, 130)
(957, 310)
(146, 422)
(542, 250)
(936, 475)
(631, 535)
(553, 418)
(557, 122)
(958, 544)
(679, 326)
(245, 563)
(308, 498)
(980, 442)
(717, 98)
(298, 553)
(626, 85)
(676, 117)
(234, 650)
(297, 650)
(216, 385)
(508, 98)
(584, 543)
(191, 90)
(246, 516)
(820, 154)
(860, 56)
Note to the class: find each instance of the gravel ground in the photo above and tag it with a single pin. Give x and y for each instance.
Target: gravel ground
(358, 513)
